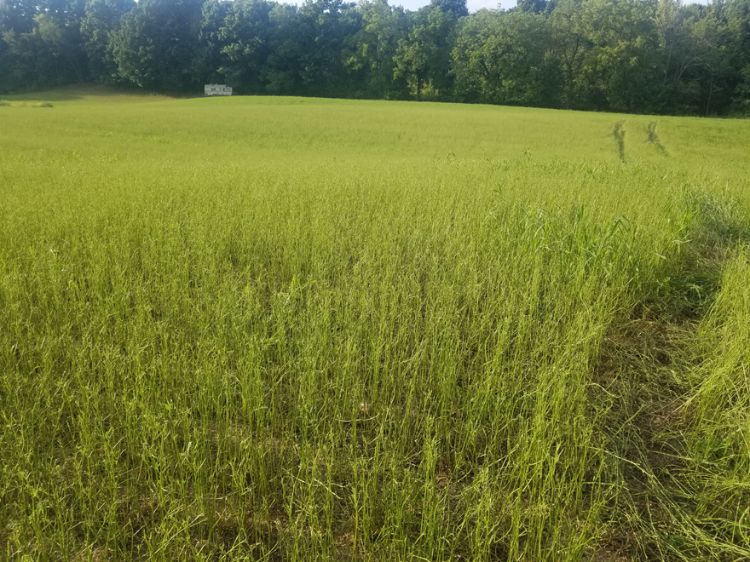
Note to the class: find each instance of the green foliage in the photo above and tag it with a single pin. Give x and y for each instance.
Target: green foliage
(503, 58)
(375, 45)
(638, 56)
(423, 58)
(100, 20)
(154, 47)
(40, 44)
(245, 34)
(621, 69)
(325, 40)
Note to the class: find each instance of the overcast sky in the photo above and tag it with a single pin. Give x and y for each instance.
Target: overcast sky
(473, 5)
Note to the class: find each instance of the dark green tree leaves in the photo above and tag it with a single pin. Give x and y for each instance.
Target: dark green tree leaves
(654, 56)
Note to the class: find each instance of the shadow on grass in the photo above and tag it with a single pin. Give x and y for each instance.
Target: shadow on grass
(644, 364)
(87, 91)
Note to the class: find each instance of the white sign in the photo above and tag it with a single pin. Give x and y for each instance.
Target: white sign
(217, 90)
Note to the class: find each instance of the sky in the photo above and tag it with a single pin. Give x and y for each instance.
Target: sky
(473, 5)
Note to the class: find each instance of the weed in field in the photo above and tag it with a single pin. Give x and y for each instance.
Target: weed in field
(618, 132)
(652, 137)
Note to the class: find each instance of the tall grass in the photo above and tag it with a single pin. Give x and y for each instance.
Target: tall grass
(352, 330)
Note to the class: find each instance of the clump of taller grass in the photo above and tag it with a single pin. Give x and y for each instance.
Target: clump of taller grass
(652, 137)
(618, 133)
(717, 473)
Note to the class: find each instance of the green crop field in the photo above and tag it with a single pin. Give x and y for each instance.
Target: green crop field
(302, 329)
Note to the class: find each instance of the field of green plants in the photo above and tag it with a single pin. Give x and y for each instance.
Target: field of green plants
(303, 329)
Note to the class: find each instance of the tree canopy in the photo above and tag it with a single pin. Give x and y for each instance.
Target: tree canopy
(655, 56)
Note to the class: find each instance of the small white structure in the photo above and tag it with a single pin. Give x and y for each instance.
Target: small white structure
(217, 90)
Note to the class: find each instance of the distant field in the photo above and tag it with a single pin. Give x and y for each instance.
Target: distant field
(302, 329)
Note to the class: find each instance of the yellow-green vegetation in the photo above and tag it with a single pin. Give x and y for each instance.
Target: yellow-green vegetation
(304, 329)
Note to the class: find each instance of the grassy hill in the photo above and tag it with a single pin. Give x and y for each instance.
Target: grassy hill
(307, 329)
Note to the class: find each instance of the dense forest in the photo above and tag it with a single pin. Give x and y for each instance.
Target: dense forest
(655, 56)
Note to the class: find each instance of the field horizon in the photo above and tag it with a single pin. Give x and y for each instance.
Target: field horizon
(287, 328)
(105, 93)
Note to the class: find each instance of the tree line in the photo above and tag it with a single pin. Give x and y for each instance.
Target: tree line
(655, 56)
